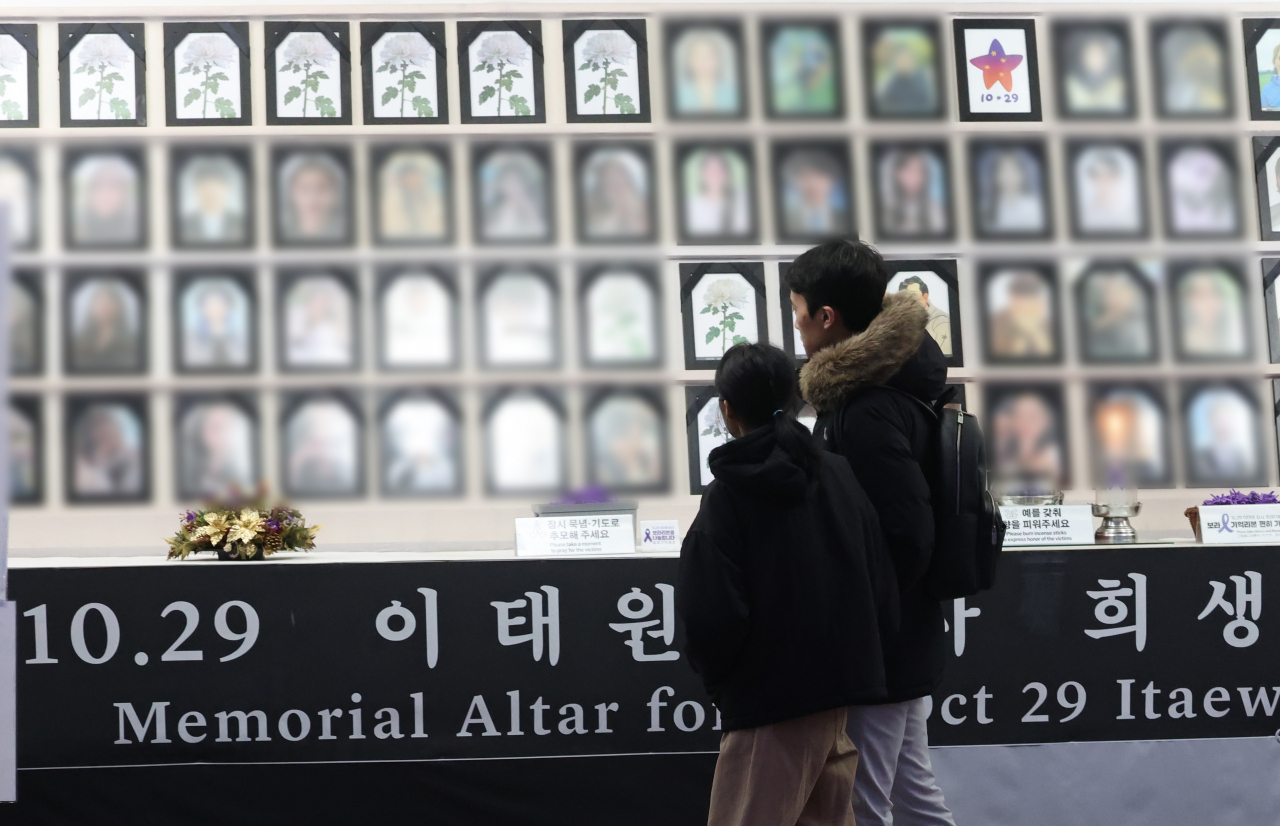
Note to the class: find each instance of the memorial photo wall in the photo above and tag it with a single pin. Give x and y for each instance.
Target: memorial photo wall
(442, 257)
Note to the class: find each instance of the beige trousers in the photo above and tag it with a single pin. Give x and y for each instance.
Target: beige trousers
(795, 773)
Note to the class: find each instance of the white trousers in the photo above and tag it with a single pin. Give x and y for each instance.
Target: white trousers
(895, 783)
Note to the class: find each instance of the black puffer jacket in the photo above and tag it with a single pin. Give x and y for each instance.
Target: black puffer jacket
(780, 586)
(889, 442)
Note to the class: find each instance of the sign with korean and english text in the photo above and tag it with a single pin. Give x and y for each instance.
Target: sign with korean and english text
(1233, 524)
(659, 535)
(1046, 525)
(596, 534)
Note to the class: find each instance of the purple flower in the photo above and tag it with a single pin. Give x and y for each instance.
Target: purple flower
(1235, 497)
(591, 495)
(273, 525)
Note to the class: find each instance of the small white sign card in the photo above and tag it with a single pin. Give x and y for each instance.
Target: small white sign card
(1030, 525)
(659, 535)
(1233, 524)
(597, 534)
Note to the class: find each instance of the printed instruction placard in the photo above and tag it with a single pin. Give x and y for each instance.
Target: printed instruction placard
(1232, 524)
(1047, 525)
(586, 535)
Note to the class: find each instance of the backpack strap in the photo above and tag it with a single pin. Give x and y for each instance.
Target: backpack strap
(933, 410)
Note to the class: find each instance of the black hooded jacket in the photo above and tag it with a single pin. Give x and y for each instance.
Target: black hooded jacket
(889, 441)
(780, 584)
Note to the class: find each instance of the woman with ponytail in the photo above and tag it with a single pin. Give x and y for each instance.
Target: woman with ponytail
(784, 588)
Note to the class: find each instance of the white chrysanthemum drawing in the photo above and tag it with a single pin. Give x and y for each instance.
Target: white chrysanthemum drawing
(13, 58)
(725, 291)
(614, 47)
(406, 54)
(210, 49)
(722, 300)
(607, 52)
(503, 47)
(408, 47)
(500, 53)
(307, 54)
(103, 56)
(308, 47)
(104, 50)
(205, 58)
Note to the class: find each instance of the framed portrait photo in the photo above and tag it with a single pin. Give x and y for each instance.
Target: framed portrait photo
(706, 77)
(107, 448)
(26, 323)
(812, 191)
(319, 319)
(1026, 432)
(20, 194)
(803, 70)
(308, 73)
(206, 74)
(322, 445)
(1201, 194)
(217, 445)
(902, 69)
(511, 193)
(525, 443)
(626, 430)
(935, 285)
(1129, 427)
(1222, 434)
(211, 197)
(1115, 307)
(1191, 68)
(420, 444)
(215, 320)
(721, 304)
(1266, 162)
(1021, 312)
(1010, 190)
(412, 194)
(705, 431)
(1094, 68)
(1107, 188)
(519, 317)
(26, 450)
(19, 70)
(606, 78)
(1210, 315)
(715, 181)
(1262, 59)
(912, 190)
(311, 196)
(792, 344)
(105, 198)
(997, 72)
(500, 71)
(417, 318)
(616, 199)
(621, 315)
(1271, 272)
(104, 322)
(102, 72)
(404, 68)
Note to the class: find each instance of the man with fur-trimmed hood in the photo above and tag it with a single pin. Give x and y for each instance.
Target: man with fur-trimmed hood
(871, 365)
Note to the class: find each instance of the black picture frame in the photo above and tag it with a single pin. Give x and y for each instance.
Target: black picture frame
(1051, 393)
(69, 36)
(30, 407)
(379, 155)
(770, 28)
(242, 156)
(791, 343)
(583, 152)
(872, 30)
(446, 398)
(76, 405)
(30, 280)
(730, 28)
(1254, 30)
(133, 155)
(1063, 31)
(25, 159)
(1265, 148)
(1034, 147)
(1216, 29)
(636, 30)
(691, 274)
(433, 33)
(338, 34)
(1188, 391)
(338, 154)
(683, 150)
(876, 177)
(530, 31)
(133, 280)
(386, 276)
(183, 404)
(946, 271)
(652, 395)
(967, 114)
(291, 403)
(696, 398)
(184, 279)
(1226, 151)
(1144, 282)
(588, 274)
(1180, 269)
(1271, 272)
(484, 282)
(554, 397)
(542, 156)
(838, 153)
(174, 35)
(1045, 270)
(1075, 149)
(345, 277)
(1155, 392)
(25, 35)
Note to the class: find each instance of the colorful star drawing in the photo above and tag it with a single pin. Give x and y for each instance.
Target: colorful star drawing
(997, 67)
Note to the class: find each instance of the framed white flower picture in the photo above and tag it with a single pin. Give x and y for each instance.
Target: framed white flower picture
(206, 74)
(606, 77)
(403, 68)
(19, 102)
(722, 304)
(705, 431)
(308, 73)
(102, 71)
(500, 71)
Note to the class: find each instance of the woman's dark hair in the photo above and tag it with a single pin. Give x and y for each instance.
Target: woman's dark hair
(760, 384)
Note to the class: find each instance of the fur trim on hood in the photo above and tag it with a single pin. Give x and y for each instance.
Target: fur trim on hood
(870, 357)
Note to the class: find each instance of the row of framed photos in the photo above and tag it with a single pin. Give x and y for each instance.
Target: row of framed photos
(313, 193)
(416, 435)
(404, 65)
(1220, 427)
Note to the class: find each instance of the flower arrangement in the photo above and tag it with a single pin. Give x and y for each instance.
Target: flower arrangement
(245, 530)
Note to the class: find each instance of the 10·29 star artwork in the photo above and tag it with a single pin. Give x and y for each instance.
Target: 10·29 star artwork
(997, 66)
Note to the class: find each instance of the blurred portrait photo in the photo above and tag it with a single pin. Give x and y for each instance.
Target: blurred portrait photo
(1200, 190)
(626, 442)
(25, 458)
(213, 198)
(705, 70)
(420, 447)
(802, 69)
(215, 323)
(912, 190)
(620, 314)
(1129, 434)
(107, 450)
(513, 197)
(412, 197)
(319, 322)
(518, 320)
(1107, 189)
(18, 195)
(1011, 192)
(524, 444)
(615, 193)
(1026, 435)
(1020, 313)
(1094, 77)
(902, 69)
(313, 198)
(1222, 433)
(105, 324)
(26, 324)
(1117, 317)
(813, 191)
(217, 449)
(717, 193)
(1191, 69)
(416, 321)
(322, 455)
(1208, 307)
(936, 297)
(105, 200)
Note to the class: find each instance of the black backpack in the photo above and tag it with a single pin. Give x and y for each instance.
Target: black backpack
(968, 529)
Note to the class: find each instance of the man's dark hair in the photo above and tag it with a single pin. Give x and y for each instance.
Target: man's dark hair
(915, 279)
(848, 276)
